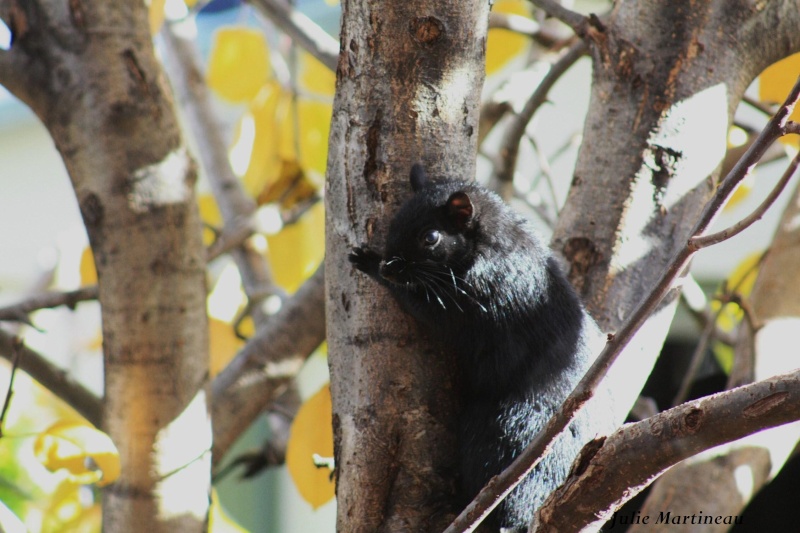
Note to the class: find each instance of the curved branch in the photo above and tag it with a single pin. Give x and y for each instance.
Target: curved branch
(708, 240)
(491, 495)
(56, 380)
(634, 455)
(19, 312)
(509, 147)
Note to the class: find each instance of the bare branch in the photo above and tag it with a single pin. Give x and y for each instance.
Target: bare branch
(16, 349)
(755, 104)
(715, 238)
(697, 358)
(19, 312)
(267, 364)
(55, 379)
(634, 455)
(302, 30)
(231, 237)
(509, 147)
(491, 495)
(573, 19)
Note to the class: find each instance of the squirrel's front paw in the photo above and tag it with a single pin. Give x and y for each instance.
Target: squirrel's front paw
(364, 259)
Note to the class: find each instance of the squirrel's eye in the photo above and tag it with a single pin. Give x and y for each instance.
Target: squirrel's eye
(431, 237)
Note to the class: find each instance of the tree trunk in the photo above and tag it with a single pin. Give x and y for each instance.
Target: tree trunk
(409, 80)
(87, 69)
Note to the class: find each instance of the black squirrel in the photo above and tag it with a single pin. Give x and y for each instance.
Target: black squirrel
(474, 273)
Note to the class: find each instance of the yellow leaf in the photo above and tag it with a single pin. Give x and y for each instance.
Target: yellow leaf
(85, 452)
(66, 511)
(238, 65)
(314, 119)
(218, 519)
(774, 85)
(286, 118)
(738, 142)
(740, 281)
(315, 77)
(87, 268)
(210, 215)
(264, 162)
(297, 250)
(223, 344)
(742, 191)
(155, 14)
(312, 433)
(503, 45)
(744, 275)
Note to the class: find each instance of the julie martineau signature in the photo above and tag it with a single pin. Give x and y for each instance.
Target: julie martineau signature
(667, 517)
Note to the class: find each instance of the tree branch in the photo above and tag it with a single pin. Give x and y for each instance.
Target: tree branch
(632, 457)
(573, 19)
(302, 30)
(491, 495)
(16, 351)
(267, 363)
(699, 242)
(509, 147)
(19, 312)
(55, 379)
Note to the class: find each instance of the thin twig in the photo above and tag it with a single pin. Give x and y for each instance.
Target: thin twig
(697, 358)
(490, 496)
(699, 242)
(231, 237)
(16, 350)
(711, 330)
(55, 379)
(19, 312)
(509, 146)
(546, 171)
(752, 102)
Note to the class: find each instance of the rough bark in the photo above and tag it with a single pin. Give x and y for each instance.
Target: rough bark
(408, 85)
(667, 77)
(88, 71)
(616, 468)
(775, 304)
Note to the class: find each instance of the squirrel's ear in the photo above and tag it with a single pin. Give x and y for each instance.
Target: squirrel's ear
(418, 177)
(460, 209)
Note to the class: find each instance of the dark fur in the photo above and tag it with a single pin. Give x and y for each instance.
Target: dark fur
(490, 290)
